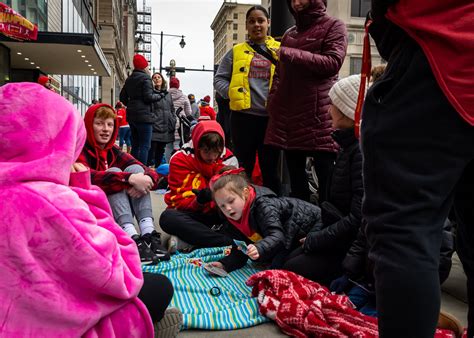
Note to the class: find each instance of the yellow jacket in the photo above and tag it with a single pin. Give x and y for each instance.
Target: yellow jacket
(239, 88)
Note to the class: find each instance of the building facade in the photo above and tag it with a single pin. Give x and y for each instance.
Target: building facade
(84, 46)
(229, 28)
(144, 31)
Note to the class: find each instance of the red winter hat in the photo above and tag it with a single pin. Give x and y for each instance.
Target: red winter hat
(174, 83)
(43, 79)
(207, 98)
(139, 62)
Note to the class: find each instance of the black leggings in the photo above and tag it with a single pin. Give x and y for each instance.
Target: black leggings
(296, 162)
(321, 267)
(156, 153)
(156, 294)
(248, 133)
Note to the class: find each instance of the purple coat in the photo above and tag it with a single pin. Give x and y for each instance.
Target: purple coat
(311, 54)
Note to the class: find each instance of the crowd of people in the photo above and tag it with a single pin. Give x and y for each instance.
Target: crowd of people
(78, 206)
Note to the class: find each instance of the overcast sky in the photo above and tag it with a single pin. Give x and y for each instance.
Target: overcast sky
(191, 18)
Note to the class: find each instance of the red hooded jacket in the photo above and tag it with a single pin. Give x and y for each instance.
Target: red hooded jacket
(188, 171)
(445, 31)
(207, 110)
(99, 160)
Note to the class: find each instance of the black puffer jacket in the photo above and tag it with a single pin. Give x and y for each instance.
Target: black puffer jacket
(281, 221)
(341, 212)
(165, 119)
(359, 267)
(138, 95)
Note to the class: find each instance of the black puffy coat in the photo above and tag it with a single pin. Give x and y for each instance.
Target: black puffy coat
(359, 267)
(165, 119)
(138, 95)
(342, 210)
(281, 221)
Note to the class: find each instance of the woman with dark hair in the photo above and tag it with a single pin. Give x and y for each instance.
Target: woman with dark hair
(311, 54)
(245, 76)
(165, 121)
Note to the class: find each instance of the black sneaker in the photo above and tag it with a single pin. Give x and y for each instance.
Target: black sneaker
(153, 240)
(146, 254)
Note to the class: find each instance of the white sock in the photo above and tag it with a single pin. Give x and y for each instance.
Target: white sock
(146, 225)
(129, 229)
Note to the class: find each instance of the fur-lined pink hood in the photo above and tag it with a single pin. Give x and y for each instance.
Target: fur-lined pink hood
(67, 269)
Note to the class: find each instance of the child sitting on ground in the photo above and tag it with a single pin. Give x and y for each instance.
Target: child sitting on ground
(126, 181)
(191, 214)
(68, 270)
(272, 226)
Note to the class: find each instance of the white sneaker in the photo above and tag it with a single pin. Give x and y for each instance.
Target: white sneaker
(172, 244)
(177, 244)
(170, 325)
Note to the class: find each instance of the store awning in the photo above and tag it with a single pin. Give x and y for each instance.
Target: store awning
(59, 53)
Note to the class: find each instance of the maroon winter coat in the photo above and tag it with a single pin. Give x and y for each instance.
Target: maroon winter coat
(311, 54)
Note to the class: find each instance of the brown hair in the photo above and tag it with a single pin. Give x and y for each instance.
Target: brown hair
(105, 113)
(235, 183)
(377, 72)
(212, 142)
(164, 84)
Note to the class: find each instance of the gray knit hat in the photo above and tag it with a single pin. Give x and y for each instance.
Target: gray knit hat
(344, 94)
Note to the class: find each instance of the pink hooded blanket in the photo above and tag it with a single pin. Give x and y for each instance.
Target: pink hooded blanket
(67, 269)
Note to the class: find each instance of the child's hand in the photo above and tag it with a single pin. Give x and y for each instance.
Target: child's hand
(78, 167)
(302, 240)
(141, 182)
(252, 252)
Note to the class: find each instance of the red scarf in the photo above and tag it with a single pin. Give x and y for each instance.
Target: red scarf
(243, 223)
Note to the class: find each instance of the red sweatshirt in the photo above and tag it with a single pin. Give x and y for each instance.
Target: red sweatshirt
(188, 171)
(445, 31)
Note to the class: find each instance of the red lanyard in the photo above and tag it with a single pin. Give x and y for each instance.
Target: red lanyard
(365, 77)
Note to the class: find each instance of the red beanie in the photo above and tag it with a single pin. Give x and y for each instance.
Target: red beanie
(43, 79)
(174, 83)
(139, 62)
(207, 98)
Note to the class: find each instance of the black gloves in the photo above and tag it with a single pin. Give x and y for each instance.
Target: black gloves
(340, 285)
(203, 196)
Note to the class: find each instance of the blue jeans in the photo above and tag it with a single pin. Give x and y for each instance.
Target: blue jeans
(141, 140)
(124, 137)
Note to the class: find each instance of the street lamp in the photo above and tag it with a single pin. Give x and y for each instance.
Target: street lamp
(182, 43)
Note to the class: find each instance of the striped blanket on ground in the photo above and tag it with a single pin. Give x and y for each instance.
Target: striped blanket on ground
(234, 308)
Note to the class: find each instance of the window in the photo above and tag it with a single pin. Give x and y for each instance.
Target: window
(359, 8)
(236, 16)
(236, 26)
(235, 36)
(356, 65)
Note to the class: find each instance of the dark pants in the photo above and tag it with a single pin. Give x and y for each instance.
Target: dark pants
(155, 155)
(248, 133)
(124, 137)
(321, 267)
(418, 157)
(141, 140)
(296, 162)
(156, 294)
(195, 228)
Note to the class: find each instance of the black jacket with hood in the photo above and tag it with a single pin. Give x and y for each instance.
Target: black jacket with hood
(138, 95)
(342, 210)
(281, 221)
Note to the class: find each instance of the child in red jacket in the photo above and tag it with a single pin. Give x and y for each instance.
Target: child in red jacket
(191, 214)
(126, 181)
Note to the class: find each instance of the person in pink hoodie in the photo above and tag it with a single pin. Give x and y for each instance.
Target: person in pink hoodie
(68, 270)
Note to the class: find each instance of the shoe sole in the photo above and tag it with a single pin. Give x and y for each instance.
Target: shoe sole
(450, 322)
(170, 325)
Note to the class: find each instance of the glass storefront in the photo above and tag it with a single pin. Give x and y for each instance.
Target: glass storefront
(35, 11)
(80, 90)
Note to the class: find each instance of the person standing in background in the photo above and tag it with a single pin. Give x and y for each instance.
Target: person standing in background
(194, 106)
(205, 109)
(245, 76)
(311, 54)
(137, 94)
(124, 131)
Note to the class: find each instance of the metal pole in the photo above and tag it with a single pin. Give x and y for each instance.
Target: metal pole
(161, 52)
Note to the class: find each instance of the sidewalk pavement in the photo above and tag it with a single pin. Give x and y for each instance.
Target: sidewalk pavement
(453, 298)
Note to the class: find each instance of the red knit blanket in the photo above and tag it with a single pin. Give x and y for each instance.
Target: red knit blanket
(303, 308)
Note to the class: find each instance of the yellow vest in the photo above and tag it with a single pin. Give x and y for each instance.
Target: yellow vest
(239, 88)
